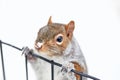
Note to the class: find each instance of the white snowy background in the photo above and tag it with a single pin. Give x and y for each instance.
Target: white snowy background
(97, 31)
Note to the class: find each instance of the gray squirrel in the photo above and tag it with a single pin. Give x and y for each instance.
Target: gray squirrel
(55, 41)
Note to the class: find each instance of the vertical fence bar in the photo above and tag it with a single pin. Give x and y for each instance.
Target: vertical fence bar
(26, 67)
(80, 77)
(52, 70)
(2, 60)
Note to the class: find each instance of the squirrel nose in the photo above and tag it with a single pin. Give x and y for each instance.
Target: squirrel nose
(38, 45)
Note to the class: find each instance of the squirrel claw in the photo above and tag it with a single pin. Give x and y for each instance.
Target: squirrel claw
(26, 50)
(28, 53)
(66, 68)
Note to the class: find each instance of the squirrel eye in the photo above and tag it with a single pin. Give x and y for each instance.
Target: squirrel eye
(59, 39)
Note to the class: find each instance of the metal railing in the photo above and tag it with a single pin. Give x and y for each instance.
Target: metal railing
(40, 57)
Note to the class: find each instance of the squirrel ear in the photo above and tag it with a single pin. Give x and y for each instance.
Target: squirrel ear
(70, 28)
(50, 21)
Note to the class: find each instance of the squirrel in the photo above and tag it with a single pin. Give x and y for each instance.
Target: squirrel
(55, 41)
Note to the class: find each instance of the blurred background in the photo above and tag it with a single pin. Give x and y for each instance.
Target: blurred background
(97, 31)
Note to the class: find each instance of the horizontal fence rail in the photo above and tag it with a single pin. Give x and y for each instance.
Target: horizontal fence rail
(40, 57)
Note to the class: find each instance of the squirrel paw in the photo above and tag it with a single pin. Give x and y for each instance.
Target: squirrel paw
(66, 70)
(67, 67)
(28, 52)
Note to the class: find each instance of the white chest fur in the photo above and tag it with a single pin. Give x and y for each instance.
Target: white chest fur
(43, 69)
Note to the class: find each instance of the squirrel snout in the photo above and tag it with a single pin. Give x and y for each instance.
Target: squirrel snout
(38, 45)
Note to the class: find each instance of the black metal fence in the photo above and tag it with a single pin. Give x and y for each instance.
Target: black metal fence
(40, 57)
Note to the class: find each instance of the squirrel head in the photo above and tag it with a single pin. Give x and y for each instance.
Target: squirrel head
(53, 38)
